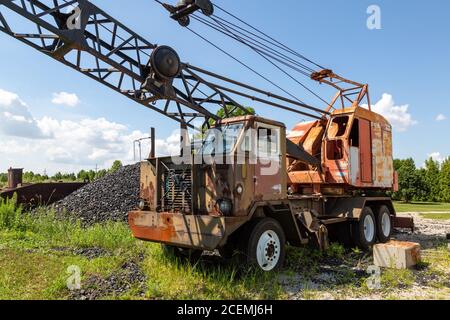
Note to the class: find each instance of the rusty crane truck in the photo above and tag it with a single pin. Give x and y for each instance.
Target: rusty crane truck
(331, 174)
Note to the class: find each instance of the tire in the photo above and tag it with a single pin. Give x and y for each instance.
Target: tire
(191, 255)
(265, 247)
(384, 224)
(364, 232)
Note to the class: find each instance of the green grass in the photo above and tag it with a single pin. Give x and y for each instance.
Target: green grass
(436, 216)
(36, 251)
(422, 207)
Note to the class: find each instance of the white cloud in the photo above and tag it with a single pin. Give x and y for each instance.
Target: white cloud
(436, 156)
(67, 99)
(68, 145)
(398, 116)
(441, 117)
(15, 117)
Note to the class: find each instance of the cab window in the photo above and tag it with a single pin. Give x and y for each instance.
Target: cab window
(268, 141)
(338, 127)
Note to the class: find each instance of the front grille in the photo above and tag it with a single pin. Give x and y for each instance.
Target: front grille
(177, 191)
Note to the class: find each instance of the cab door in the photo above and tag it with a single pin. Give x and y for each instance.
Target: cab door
(268, 168)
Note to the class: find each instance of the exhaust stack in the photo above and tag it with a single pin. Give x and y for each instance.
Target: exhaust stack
(15, 178)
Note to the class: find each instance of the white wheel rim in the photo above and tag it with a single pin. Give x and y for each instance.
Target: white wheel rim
(369, 228)
(386, 224)
(268, 250)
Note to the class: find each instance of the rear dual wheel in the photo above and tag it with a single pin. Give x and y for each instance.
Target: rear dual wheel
(384, 224)
(364, 231)
(371, 228)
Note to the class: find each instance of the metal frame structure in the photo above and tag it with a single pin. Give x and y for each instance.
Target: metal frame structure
(92, 42)
(346, 89)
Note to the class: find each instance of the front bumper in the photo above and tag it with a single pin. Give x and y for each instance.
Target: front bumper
(187, 231)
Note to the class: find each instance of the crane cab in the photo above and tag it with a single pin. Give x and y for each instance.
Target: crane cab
(355, 148)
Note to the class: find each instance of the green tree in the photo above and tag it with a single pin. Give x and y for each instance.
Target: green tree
(237, 112)
(410, 182)
(3, 180)
(116, 166)
(58, 176)
(444, 181)
(82, 175)
(432, 180)
(91, 175)
(101, 173)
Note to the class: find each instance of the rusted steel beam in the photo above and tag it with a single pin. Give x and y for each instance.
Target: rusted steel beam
(404, 223)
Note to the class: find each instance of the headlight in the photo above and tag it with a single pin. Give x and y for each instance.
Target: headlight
(225, 207)
(142, 204)
(239, 189)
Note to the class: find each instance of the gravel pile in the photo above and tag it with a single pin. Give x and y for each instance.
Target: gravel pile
(107, 199)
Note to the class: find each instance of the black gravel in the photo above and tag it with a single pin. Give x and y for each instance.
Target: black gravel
(88, 253)
(107, 199)
(128, 277)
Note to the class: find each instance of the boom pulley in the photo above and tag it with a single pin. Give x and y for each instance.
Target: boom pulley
(82, 36)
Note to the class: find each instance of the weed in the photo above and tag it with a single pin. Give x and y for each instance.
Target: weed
(10, 214)
(393, 279)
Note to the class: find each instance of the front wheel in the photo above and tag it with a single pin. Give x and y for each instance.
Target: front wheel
(266, 245)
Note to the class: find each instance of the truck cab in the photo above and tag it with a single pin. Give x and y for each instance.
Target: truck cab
(197, 201)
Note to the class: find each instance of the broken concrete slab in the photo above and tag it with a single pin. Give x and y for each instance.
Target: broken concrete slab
(397, 255)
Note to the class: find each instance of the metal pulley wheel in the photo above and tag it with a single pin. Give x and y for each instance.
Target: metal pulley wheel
(206, 6)
(165, 62)
(184, 21)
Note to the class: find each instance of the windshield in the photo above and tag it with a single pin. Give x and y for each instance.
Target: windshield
(222, 140)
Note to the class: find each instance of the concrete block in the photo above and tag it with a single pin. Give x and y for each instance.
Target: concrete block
(397, 255)
(448, 238)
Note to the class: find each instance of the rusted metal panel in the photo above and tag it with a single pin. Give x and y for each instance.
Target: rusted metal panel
(365, 139)
(306, 177)
(244, 175)
(404, 223)
(200, 232)
(300, 132)
(313, 141)
(270, 171)
(350, 208)
(148, 184)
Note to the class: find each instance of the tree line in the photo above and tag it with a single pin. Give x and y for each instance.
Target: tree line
(81, 176)
(429, 183)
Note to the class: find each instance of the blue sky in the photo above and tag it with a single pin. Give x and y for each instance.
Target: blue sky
(407, 59)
